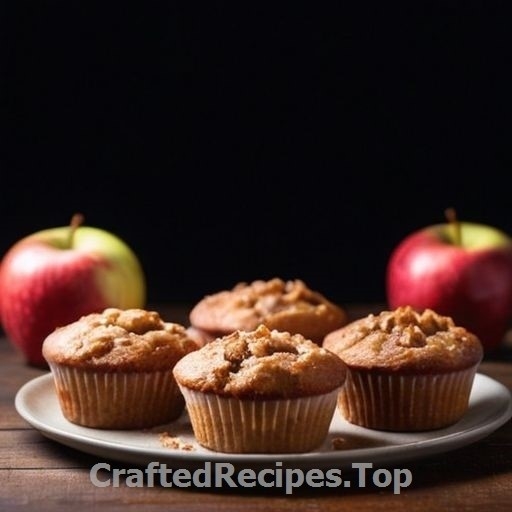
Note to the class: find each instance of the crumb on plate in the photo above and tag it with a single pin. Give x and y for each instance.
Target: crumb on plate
(169, 441)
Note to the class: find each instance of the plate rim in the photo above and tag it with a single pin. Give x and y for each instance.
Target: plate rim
(447, 440)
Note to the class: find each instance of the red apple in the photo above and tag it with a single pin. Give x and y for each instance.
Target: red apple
(459, 269)
(54, 276)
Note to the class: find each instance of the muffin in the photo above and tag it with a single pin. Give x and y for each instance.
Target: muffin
(114, 369)
(282, 305)
(261, 391)
(407, 370)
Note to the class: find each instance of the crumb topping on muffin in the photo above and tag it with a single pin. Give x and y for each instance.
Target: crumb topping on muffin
(119, 340)
(263, 364)
(406, 340)
(282, 305)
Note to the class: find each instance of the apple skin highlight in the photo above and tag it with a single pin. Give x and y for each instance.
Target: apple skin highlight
(470, 281)
(49, 279)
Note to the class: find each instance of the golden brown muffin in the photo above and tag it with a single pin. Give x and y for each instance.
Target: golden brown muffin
(260, 391)
(288, 306)
(114, 369)
(407, 370)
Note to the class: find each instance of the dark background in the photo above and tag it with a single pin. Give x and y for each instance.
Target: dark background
(227, 142)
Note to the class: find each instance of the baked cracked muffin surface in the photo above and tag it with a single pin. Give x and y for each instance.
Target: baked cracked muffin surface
(261, 364)
(406, 340)
(119, 340)
(282, 305)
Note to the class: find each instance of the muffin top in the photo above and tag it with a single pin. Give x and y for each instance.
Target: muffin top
(282, 305)
(261, 364)
(119, 340)
(405, 341)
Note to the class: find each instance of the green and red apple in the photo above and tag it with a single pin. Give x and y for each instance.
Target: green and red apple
(459, 269)
(53, 277)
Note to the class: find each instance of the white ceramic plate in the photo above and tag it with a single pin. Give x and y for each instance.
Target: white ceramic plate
(489, 408)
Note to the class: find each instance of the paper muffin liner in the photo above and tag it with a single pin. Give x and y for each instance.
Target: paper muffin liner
(232, 425)
(117, 400)
(405, 402)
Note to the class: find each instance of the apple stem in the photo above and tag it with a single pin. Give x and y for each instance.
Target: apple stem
(451, 217)
(76, 221)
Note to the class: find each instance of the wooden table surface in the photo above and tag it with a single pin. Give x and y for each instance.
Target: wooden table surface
(40, 474)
